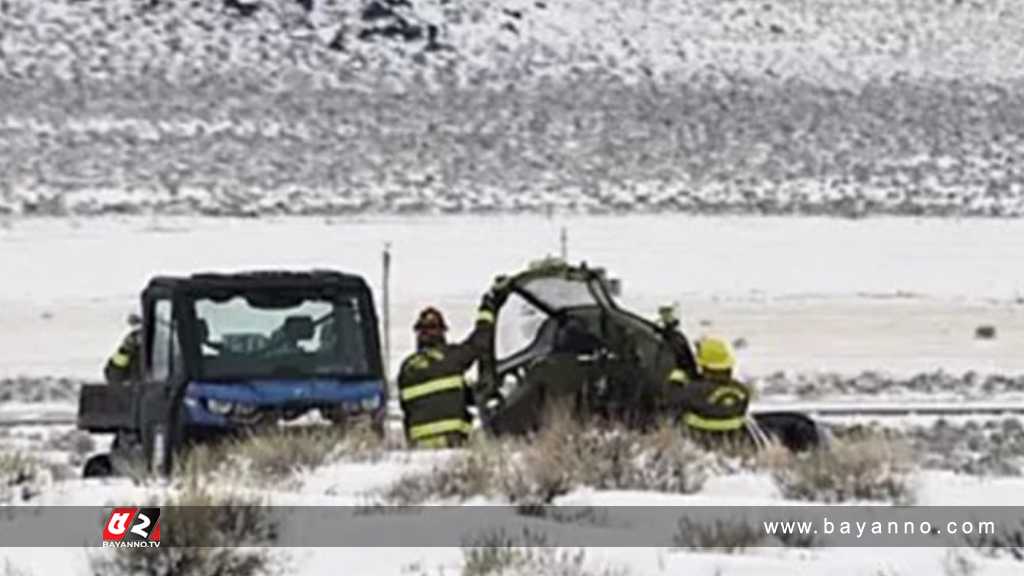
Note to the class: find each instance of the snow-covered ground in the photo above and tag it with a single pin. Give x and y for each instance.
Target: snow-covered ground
(349, 484)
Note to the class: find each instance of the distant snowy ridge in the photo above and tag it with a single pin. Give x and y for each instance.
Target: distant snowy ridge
(838, 107)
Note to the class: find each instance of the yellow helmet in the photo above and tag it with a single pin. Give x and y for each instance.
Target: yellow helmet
(714, 354)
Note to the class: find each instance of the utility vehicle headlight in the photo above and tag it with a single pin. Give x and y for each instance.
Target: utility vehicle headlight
(244, 409)
(219, 407)
(371, 403)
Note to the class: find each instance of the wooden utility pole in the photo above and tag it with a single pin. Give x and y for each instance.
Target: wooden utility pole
(386, 304)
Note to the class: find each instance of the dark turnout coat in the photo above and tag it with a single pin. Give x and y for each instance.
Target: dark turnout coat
(705, 402)
(125, 365)
(432, 387)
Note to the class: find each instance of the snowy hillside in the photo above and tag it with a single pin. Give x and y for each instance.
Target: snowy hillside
(339, 106)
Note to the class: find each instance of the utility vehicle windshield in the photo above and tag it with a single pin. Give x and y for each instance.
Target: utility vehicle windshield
(521, 321)
(559, 293)
(277, 335)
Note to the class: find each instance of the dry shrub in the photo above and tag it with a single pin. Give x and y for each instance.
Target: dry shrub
(868, 468)
(21, 477)
(477, 471)
(732, 535)
(956, 563)
(282, 452)
(494, 553)
(1008, 542)
(562, 456)
(275, 454)
(566, 455)
(206, 534)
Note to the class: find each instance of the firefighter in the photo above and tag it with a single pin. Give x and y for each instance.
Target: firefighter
(714, 405)
(433, 391)
(686, 365)
(125, 365)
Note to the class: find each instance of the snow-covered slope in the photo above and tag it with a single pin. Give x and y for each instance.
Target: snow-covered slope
(838, 107)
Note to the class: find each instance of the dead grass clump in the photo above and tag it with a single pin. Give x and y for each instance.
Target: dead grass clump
(480, 470)
(732, 535)
(564, 455)
(21, 477)
(868, 468)
(276, 454)
(494, 553)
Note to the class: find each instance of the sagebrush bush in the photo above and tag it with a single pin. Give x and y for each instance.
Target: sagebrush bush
(1008, 542)
(207, 534)
(731, 535)
(564, 455)
(21, 477)
(956, 563)
(867, 468)
(278, 453)
(477, 471)
(494, 553)
(284, 451)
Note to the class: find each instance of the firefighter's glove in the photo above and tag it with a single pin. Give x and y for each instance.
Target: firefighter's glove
(489, 304)
(493, 300)
(130, 343)
(500, 289)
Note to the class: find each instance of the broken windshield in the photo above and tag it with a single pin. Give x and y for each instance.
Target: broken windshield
(518, 325)
(247, 337)
(558, 293)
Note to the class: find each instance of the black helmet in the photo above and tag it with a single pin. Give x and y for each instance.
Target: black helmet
(430, 321)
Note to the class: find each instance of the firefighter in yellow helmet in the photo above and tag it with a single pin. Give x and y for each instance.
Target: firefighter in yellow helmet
(714, 405)
(432, 388)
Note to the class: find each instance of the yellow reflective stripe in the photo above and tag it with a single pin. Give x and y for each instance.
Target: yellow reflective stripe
(485, 316)
(724, 391)
(431, 387)
(435, 442)
(121, 360)
(440, 427)
(715, 424)
(677, 376)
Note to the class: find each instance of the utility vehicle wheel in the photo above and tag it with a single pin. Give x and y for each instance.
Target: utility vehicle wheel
(98, 466)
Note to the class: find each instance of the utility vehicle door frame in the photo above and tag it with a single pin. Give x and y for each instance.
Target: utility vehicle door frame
(490, 377)
(161, 391)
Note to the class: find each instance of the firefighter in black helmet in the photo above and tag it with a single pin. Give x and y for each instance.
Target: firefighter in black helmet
(432, 387)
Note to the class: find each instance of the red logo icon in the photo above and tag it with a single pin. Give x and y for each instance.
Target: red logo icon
(132, 527)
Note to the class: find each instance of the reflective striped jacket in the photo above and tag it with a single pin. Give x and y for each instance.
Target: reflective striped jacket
(432, 388)
(710, 404)
(125, 365)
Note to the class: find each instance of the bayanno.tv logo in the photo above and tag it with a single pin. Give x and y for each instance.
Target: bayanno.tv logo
(132, 528)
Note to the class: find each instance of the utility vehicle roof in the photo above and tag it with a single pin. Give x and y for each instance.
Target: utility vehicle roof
(554, 285)
(258, 279)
